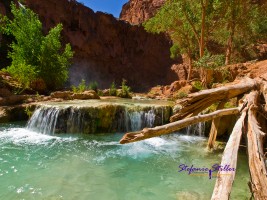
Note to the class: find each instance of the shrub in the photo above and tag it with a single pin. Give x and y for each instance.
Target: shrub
(93, 86)
(181, 95)
(125, 90)
(28, 111)
(197, 85)
(80, 88)
(113, 89)
(23, 73)
(100, 93)
(36, 55)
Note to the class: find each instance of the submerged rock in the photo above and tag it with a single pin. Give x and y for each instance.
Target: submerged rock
(186, 195)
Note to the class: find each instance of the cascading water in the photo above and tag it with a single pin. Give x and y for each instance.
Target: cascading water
(196, 129)
(95, 118)
(137, 120)
(44, 120)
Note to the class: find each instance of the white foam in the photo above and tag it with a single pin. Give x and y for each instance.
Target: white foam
(23, 135)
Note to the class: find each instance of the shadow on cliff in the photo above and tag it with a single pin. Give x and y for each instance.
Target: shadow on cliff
(107, 49)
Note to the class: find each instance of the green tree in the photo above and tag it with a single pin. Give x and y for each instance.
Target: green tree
(42, 56)
(192, 23)
(243, 23)
(187, 22)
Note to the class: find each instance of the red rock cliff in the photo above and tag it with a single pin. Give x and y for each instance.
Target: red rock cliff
(138, 11)
(106, 49)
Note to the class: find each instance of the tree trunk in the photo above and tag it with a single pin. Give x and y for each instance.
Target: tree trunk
(175, 126)
(189, 68)
(214, 127)
(203, 27)
(207, 75)
(223, 185)
(196, 102)
(230, 44)
(255, 138)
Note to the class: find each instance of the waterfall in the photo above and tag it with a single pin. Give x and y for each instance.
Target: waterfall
(44, 120)
(196, 129)
(94, 119)
(137, 120)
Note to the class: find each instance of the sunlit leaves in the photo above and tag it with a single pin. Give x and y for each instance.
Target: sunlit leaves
(33, 54)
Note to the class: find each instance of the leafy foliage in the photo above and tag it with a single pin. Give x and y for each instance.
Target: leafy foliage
(80, 88)
(23, 73)
(198, 85)
(125, 90)
(181, 95)
(209, 61)
(234, 24)
(174, 51)
(33, 54)
(113, 89)
(93, 86)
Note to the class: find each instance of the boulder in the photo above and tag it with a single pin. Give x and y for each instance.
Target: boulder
(62, 95)
(90, 94)
(12, 100)
(106, 92)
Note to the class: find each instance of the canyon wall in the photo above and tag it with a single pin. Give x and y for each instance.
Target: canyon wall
(107, 49)
(138, 11)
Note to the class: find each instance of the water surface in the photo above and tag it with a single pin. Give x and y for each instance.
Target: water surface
(36, 166)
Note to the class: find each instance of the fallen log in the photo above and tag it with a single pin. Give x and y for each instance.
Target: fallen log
(257, 167)
(197, 102)
(256, 160)
(223, 185)
(174, 126)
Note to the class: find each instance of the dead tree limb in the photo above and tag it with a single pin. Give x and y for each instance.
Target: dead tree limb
(196, 102)
(174, 126)
(255, 138)
(257, 167)
(223, 185)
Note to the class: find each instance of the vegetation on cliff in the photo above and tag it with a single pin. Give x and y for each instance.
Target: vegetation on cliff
(35, 56)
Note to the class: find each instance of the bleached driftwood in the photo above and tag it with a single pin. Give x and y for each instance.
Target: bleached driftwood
(174, 126)
(197, 102)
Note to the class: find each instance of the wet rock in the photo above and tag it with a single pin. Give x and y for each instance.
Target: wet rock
(101, 117)
(15, 113)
